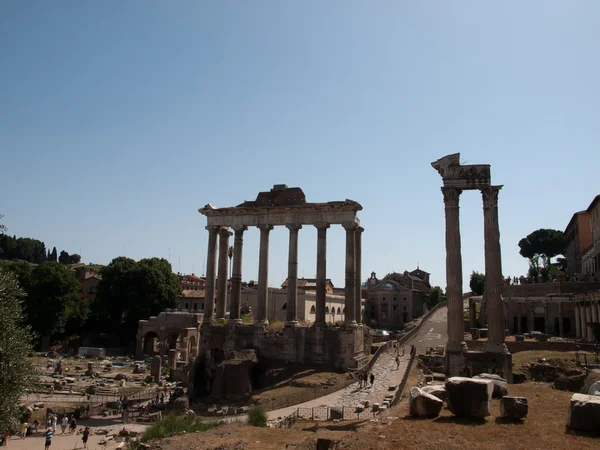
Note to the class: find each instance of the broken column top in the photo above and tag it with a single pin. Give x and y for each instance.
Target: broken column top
(454, 174)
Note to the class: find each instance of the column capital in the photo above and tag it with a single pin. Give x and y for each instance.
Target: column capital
(213, 227)
(348, 226)
(451, 196)
(264, 227)
(240, 228)
(293, 226)
(490, 196)
(360, 229)
(321, 226)
(225, 232)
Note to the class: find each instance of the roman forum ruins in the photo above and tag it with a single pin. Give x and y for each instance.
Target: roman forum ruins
(282, 206)
(459, 361)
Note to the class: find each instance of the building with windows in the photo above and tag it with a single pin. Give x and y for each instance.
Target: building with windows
(396, 299)
(88, 285)
(578, 237)
(590, 260)
(310, 285)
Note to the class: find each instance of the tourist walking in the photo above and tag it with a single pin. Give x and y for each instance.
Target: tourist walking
(86, 435)
(36, 425)
(73, 425)
(64, 423)
(372, 379)
(48, 436)
(397, 362)
(24, 427)
(54, 422)
(361, 380)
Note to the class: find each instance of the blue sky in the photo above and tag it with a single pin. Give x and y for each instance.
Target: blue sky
(118, 120)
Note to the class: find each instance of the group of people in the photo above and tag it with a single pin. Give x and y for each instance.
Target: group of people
(66, 423)
(364, 379)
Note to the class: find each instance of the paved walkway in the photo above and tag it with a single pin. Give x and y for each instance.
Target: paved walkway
(433, 333)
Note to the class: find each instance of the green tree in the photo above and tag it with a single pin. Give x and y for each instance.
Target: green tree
(435, 296)
(2, 226)
(64, 257)
(52, 298)
(477, 283)
(22, 270)
(16, 371)
(53, 255)
(544, 244)
(130, 291)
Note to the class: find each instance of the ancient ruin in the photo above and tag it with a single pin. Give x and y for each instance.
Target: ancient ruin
(338, 347)
(457, 178)
(170, 330)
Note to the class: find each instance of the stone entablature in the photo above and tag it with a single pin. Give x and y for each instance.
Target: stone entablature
(543, 289)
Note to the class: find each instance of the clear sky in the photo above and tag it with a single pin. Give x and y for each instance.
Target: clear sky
(119, 119)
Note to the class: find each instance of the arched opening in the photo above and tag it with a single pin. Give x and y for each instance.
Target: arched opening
(192, 347)
(339, 311)
(150, 344)
(174, 341)
(327, 310)
(284, 307)
(312, 309)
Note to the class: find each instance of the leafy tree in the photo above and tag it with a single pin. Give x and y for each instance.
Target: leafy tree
(130, 291)
(52, 298)
(16, 371)
(435, 296)
(65, 258)
(22, 270)
(477, 283)
(544, 244)
(2, 227)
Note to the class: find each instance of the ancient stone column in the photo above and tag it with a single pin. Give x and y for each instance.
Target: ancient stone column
(222, 278)
(561, 325)
(546, 319)
(588, 319)
(493, 271)
(211, 264)
(321, 273)
(519, 325)
(358, 264)
(594, 307)
(454, 291)
(472, 314)
(236, 274)
(291, 314)
(263, 275)
(350, 288)
(531, 318)
(577, 321)
(583, 326)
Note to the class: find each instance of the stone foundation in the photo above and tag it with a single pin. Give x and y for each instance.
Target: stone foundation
(339, 348)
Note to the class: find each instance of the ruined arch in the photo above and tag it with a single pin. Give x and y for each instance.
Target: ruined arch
(192, 347)
(150, 343)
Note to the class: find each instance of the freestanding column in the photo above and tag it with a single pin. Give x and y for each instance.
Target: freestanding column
(263, 274)
(493, 271)
(291, 315)
(349, 319)
(211, 264)
(321, 273)
(588, 319)
(357, 264)
(561, 325)
(583, 326)
(236, 274)
(456, 341)
(577, 321)
(594, 307)
(222, 278)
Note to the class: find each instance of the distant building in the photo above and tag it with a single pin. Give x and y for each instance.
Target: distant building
(578, 237)
(88, 285)
(590, 259)
(310, 284)
(396, 299)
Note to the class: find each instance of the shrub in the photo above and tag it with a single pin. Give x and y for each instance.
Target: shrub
(275, 325)
(257, 417)
(246, 318)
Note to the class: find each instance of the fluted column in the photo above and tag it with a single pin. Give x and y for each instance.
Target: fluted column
(222, 278)
(594, 307)
(350, 288)
(583, 326)
(211, 265)
(263, 274)
(454, 291)
(577, 321)
(358, 265)
(531, 318)
(291, 313)
(561, 325)
(236, 274)
(321, 273)
(588, 319)
(493, 270)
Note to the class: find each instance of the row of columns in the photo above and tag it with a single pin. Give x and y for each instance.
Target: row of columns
(586, 312)
(352, 272)
(493, 270)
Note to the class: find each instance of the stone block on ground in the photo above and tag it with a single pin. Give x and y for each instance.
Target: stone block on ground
(584, 413)
(500, 384)
(470, 398)
(392, 387)
(594, 389)
(422, 404)
(437, 390)
(513, 408)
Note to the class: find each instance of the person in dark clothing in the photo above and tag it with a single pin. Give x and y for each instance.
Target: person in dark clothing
(372, 379)
(86, 435)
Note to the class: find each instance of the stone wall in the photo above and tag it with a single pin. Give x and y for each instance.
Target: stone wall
(516, 347)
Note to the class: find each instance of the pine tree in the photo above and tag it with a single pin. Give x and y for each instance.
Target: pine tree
(53, 255)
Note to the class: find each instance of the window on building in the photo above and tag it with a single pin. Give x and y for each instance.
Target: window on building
(187, 306)
(373, 308)
(339, 310)
(404, 299)
(404, 308)
(201, 306)
(327, 310)
(312, 309)
(195, 306)
(394, 299)
(92, 288)
(383, 299)
(395, 307)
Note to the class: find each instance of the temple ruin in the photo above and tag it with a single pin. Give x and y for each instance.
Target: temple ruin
(457, 178)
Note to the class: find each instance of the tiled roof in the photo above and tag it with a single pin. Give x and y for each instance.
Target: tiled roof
(193, 293)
